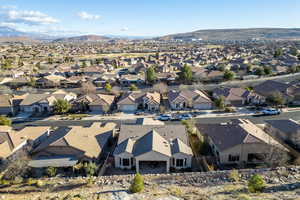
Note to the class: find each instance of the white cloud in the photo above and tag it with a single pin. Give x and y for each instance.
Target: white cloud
(12, 15)
(124, 29)
(87, 16)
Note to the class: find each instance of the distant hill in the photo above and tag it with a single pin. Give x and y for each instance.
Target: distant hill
(238, 34)
(83, 38)
(10, 32)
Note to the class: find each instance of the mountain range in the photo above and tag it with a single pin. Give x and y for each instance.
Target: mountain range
(212, 34)
(238, 34)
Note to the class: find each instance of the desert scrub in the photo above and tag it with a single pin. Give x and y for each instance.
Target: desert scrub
(176, 191)
(234, 175)
(30, 181)
(256, 183)
(51, 171)
(39, 183)
(137, 184)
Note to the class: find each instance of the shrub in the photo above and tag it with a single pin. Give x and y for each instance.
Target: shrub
(138, 184)
(175, 191)
(90, 181)
(256, 183)
(90, 168)
(229, 110)
(4, 121)
(18, 180)
(51, 171)
(39, 183)
(30, 181)
(234, 175)
(4, 182)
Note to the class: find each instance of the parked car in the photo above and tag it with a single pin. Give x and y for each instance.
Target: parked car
(164, 117)
(175, 118)
(185, 116)
(270, 111)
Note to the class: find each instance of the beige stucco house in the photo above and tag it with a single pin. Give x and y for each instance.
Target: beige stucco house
(153, 147)
(239, 141)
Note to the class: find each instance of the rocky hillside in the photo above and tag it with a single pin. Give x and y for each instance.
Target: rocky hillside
(238, 34)
(281, 183)
(83, 38)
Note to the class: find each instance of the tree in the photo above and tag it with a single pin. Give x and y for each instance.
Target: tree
(278, 52)
(267, 70)
(228, 75)
(137, 184)
(220, 103)
(150, 75)
(107, 87)
(294, 51)
(249, 68)
(275, 99)
(186, 74)
(87, 88)
(133, 87)
(259, 71)
(161, 88)
(4, 121)
(84, 65)
(256, 183)
(61, 106)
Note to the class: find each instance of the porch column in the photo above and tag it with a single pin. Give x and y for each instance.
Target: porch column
(137, 166)
(168, 166)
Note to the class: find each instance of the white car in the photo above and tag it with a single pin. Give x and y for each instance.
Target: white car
(164, 117)
(270, 111)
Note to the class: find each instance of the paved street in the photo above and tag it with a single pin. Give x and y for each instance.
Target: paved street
(255, 119)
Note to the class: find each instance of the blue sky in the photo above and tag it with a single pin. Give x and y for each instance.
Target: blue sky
(146, 17)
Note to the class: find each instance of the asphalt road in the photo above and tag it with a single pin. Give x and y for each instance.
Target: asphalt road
(255, 119)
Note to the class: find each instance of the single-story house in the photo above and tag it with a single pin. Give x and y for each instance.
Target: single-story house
(286, 130)
(153, 148)
(132, 101)
(196, 99)
(238, 141)
(76, 142)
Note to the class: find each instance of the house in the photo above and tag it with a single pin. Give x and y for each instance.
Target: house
(6, 105)
(196, 99)
(237, 96)
(38, 103)
(270, 87)
(12, 141)
(153, 147)
(102, 104)
(286, 130)
(129, 79)
(74, 144)
(132, 101)
(239, 141)
(50, 81)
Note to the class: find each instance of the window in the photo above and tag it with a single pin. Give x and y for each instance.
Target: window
(125, 162)
(179, 162)
(234, 158)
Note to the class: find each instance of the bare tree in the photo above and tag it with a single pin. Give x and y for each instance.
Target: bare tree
(87, 87)
(161, 88)
(276, 156)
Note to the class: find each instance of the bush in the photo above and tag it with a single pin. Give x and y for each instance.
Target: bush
(30, 181)
(39, 184)
(90, 168)
(229, 110)
(4, 182)
(51, 171)
(234, 175)
(256, 183)
(138, 184)
(4, 121)
(18, 180)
